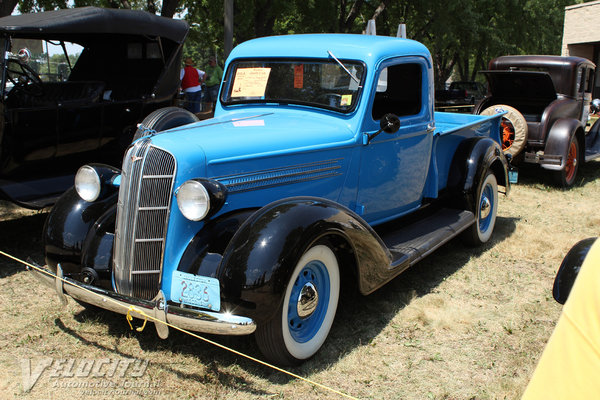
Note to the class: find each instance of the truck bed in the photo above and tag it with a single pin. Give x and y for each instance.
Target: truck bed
(447, 123)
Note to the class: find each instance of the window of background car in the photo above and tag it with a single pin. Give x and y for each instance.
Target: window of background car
(47, 58)
(318, 83)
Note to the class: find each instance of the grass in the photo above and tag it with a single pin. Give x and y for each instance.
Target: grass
(465, 323)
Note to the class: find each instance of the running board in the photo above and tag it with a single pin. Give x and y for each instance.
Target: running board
(35, 194)
(412, 243)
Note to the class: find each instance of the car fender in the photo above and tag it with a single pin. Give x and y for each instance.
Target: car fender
(203, 254)
(68, 226)
(473, 157)
(97, 250)
(559, 137)
(261, 256)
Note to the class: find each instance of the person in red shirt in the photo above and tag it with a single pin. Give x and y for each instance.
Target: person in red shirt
(191, 83)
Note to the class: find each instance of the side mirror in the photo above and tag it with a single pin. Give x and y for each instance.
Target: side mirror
(569, 269)
(389, 123)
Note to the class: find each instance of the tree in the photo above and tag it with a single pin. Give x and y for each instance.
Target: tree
(7, 7)
(462, 35)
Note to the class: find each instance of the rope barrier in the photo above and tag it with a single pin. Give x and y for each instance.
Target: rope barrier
(147, 317)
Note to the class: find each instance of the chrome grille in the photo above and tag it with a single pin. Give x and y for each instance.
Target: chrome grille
(142, 215)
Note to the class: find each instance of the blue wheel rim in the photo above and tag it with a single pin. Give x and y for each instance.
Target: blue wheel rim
(304, 329)
(487, 193)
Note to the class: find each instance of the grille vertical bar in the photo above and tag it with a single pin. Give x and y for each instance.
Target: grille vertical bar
(142, 215)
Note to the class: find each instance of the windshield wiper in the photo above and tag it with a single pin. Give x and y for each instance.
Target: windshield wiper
(344, 67)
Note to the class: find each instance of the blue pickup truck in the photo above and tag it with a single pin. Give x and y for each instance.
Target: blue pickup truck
(325, 168)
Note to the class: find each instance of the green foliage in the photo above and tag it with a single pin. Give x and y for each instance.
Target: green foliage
(463, 35)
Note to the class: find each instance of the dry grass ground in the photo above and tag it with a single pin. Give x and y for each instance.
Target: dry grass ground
(463, 324)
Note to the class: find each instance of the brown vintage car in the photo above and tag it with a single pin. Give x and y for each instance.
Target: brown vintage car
(547, 102)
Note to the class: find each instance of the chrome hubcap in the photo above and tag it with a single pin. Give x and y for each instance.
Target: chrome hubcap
(486, 207)
(307, 300)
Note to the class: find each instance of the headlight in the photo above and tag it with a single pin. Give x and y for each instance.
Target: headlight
(193, 200)
(87, 183)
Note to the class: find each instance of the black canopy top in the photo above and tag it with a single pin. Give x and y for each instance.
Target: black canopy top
(84, 22)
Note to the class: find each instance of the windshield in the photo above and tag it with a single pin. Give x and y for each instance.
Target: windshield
(319, 83)
(42, 57)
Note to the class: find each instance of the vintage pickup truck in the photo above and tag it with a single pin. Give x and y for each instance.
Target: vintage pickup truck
(324, 168)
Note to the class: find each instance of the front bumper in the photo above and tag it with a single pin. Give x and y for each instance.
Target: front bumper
(184, 318)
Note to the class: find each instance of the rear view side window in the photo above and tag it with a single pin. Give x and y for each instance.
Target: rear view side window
(398, 91)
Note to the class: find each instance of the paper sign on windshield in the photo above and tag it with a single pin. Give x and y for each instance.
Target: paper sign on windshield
(250, 82)
(298, 76)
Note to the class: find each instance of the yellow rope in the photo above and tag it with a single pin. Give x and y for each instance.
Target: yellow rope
(147, 317)
(130, 318)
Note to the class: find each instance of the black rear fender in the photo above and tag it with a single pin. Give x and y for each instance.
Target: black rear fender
(472, 159)
(559, 138)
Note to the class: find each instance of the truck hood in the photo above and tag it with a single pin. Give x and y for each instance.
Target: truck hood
(253, 135)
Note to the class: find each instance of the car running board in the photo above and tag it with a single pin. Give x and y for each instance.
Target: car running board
(412, 243)
(35, 194)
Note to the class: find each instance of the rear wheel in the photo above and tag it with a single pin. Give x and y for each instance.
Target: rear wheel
(485, 213)
(566, 177)
(163, 119)
(301, 324)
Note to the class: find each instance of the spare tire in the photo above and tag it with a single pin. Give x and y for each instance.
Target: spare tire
(163, 119)
(513, 128)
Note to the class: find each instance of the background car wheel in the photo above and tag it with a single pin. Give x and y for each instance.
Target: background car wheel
(301, 324)
(163, 119)
(513, 128)
(566, 177)
(487, 209)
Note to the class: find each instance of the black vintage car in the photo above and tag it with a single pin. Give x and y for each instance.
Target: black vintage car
(60, 109)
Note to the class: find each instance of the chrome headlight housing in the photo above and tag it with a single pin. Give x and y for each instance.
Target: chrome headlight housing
(95, 180)
(193, 200)
(198, 198)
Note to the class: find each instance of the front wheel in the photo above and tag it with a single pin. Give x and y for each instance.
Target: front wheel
(301, 324)
(565, 178)
(485, 213)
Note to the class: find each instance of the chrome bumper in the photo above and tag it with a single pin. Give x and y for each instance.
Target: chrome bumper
(184, 318)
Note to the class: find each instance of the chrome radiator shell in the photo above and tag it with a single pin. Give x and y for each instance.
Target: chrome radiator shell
(145, 195)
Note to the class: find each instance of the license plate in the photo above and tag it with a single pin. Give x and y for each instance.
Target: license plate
(194, 290)
(513, 175)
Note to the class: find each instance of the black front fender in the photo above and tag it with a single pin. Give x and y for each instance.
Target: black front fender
(67, 227)
(260, 258)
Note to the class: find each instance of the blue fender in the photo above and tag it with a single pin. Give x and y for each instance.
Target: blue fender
(559, 137)
(261, 256)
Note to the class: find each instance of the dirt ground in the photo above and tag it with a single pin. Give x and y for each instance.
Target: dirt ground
(464, 323)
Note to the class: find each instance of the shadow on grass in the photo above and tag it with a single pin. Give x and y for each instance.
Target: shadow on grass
(536, 176)
(371, 314)
(215, 371)
(21, 238)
